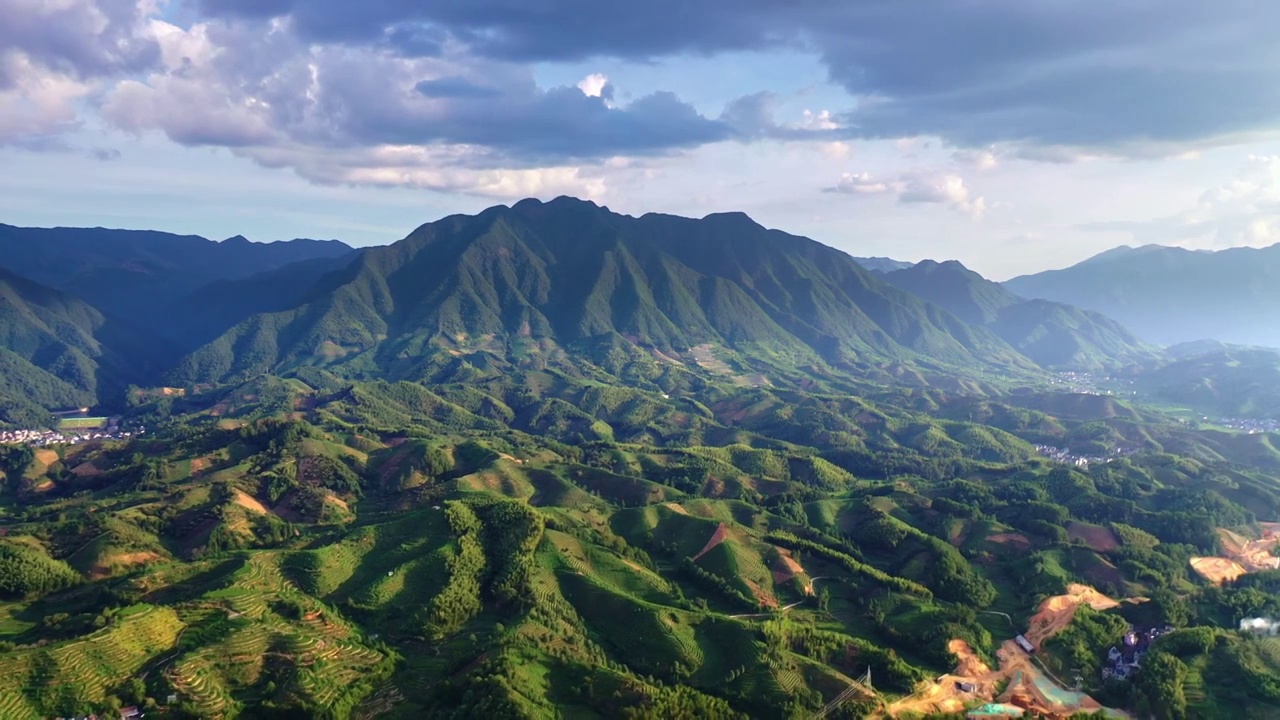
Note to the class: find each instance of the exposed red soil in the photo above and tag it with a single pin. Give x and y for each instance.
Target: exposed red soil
(1017, 540)
(719, 536)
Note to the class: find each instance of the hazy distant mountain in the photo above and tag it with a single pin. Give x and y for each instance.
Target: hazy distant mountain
(1228, 380)
(530, 282)
(1171, 295)
(134, 274)
(56, 351)
(1052, 334)
(882, 264)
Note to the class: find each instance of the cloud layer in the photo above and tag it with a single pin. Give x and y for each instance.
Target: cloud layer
(444, 94)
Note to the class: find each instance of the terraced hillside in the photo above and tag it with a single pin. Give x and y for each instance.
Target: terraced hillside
(537, 545)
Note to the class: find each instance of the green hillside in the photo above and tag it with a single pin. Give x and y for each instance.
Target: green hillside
(567, 282)
(58, 352)
(1052, 334)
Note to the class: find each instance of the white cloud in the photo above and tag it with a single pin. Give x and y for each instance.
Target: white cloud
(817, 121)
(977, 159)
(916, 187)
(594, 85)
(39, 103)
(1244, 211)
(860, 184)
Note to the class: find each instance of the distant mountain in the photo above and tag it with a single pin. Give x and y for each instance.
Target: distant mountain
(525, 284)
(1052, 334)
(882, 264)
(1171, 295)
(1226, 380)
(56, 351)
(137, 275)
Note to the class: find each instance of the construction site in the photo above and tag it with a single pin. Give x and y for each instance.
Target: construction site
(1241, 555)
(1020, 685)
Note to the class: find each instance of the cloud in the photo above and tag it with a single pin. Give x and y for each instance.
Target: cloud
(256, 88)
(104, 154)
(1128, 76)
(976, 158)
(38, 103)
(1242, 212)
(860, 184)
(916, 187)
(454, 87)
(596, 85)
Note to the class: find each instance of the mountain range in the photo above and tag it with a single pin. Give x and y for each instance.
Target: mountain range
(1054, 335)
(137, 275)
(533, 280)
(565, 285)
(1171, 295)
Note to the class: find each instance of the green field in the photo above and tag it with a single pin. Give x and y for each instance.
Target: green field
(82, 423)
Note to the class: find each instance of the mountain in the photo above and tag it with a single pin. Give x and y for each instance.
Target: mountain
(882, 264)
(211, 310)
(57, 351)
(136, 275)
(1227, 380)
(524, 283)
(1171, 295)
(1052, 334)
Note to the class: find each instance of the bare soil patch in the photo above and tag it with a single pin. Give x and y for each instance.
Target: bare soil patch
(1095, 537)
(249, 502)
(97, 572)
(786, 567)
(46, 457)
(675, 507)
(1055, 613)
(719, 536)
(1217, 569)
(1017, 540)
(86, 470)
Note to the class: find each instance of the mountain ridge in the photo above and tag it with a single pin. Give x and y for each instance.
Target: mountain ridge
(1170, 295)
(1054, 335)
(567, 271)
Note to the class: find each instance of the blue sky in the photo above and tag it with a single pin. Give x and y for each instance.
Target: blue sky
(1012, 136)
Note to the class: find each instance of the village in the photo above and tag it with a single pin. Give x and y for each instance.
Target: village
(110, 430)
(1064, 455)
(1253, 426)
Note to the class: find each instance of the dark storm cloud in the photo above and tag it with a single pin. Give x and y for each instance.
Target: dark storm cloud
(1049, 72)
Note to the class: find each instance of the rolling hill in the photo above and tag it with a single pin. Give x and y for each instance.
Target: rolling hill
(529, 282)
(1052, 334)
(1171, 295)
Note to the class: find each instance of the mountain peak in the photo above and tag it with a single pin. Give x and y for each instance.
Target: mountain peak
(236, 240)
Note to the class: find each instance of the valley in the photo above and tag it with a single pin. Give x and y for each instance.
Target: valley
(553, 461)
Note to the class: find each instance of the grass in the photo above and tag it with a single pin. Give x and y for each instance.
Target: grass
(82, 423)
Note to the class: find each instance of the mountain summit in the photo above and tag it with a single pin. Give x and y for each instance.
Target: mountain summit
(527, 282)
(1052, 334)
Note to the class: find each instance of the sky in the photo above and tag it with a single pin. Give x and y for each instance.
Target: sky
(1012, 135)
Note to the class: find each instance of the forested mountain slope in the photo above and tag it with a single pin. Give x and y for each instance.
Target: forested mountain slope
(534, 280)
(1052, 334)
